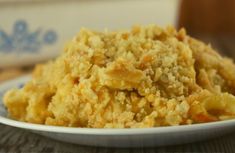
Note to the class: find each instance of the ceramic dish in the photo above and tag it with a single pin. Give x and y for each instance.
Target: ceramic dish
(118, 137)
(29, 35)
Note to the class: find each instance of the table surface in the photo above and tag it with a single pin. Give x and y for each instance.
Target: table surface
(14, 140)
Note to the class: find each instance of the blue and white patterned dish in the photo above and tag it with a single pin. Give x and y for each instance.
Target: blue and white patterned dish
(118, 137)
(33, 31)
(22, 40)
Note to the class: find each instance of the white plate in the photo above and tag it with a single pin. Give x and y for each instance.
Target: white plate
(119, 137)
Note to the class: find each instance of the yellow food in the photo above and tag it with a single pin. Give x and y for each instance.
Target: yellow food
(145, 77)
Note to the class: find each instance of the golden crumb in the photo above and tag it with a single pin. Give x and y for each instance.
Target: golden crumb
(145, 77)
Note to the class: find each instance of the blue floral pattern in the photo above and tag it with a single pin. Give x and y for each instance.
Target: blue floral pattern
(21, 85)
(22, 40)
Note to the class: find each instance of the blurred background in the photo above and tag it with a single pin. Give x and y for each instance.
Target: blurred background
(34, 31)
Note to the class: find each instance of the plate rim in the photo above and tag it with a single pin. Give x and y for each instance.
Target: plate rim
(105, 131)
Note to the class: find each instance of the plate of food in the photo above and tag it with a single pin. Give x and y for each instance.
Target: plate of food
(147, 86)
